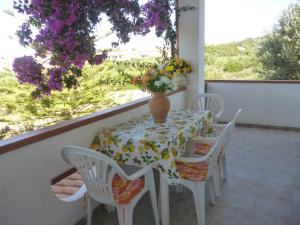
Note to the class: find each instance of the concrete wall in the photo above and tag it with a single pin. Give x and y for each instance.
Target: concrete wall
(25, 174)
(275, 104)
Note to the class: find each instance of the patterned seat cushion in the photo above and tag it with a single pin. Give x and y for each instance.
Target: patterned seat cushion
(67, 186)
(125, 190)
(202, 148)
(193, 171)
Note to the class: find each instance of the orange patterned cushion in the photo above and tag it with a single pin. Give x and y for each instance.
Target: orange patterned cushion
(125, 190)
(202, 148)
(192, 171)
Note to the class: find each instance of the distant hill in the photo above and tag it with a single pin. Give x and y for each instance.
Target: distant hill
(232, 61)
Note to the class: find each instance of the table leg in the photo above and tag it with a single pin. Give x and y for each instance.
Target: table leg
(164, 200)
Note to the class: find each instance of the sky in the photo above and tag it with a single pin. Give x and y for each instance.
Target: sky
(234, 20)
(225, 21)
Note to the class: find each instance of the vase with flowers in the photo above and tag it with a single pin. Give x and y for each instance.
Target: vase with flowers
(157, 81)
(179, 68)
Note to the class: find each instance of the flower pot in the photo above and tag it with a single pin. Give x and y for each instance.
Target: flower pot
(159, 106)
(180, 81)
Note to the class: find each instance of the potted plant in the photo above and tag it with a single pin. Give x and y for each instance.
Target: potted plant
(157, 81)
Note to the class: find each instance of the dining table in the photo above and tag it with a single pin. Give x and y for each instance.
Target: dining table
(142, 142)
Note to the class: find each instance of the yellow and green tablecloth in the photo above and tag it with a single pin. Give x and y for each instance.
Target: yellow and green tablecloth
(142, 142)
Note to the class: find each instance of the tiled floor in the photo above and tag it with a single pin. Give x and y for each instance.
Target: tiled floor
(263, 186)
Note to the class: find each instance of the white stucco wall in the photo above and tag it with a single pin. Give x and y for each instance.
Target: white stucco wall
(25, 174)
(274, 104)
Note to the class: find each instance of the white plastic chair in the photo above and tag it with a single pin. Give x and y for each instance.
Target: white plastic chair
(98, 172)
(198, 186)
(211, 102)
(218, 128)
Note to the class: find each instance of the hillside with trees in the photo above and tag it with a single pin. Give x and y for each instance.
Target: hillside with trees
(109, 84)
(101, 87)
(233, 61)
(275, 56)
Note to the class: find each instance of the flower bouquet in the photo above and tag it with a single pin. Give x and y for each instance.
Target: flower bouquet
(157, 81)
(179, 68)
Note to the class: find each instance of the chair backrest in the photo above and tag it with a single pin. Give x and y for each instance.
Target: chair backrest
(231, 127)
(233, 121)
(212, 156)
(215, 151)
(96, 169)
(211, 102)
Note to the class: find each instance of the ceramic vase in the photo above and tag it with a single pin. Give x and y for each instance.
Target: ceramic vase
(159, 106)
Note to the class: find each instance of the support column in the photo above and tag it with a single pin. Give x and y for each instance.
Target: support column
(191, 27)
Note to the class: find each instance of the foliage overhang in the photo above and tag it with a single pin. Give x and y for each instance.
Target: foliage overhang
(65, 38)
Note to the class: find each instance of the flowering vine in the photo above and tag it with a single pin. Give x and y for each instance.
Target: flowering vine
(65, 37)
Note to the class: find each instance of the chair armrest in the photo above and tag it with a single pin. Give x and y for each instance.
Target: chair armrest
(193, 159)
(215, 125)
(80, 193)
(209, 140)
(139, 173)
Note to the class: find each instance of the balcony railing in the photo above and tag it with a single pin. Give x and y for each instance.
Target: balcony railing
(265, 103)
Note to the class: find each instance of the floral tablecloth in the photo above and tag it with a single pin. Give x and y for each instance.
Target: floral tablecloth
(142, 142)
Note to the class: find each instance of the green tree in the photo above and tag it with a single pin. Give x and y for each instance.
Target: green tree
(279, 50)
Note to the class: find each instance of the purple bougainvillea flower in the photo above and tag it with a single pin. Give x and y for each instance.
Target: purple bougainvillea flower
(27, 70)
(65, 38)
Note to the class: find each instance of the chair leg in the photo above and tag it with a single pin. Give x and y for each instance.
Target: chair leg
(153, 197)
(121, 215)
(217, 183)
(128, 215)
(89, 211)
(159, 205)
(125, 214)
(211, 191)
(199, 199)
(164, 197)
(224, 169)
